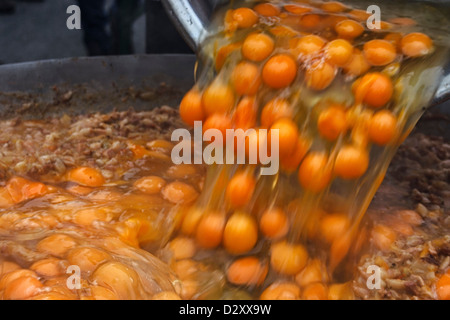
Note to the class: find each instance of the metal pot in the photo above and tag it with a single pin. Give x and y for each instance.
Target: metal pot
(192, 18)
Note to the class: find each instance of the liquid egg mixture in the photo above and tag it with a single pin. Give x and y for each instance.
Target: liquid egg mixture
(93, 207)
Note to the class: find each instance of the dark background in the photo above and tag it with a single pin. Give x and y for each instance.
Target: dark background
(37, 31)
